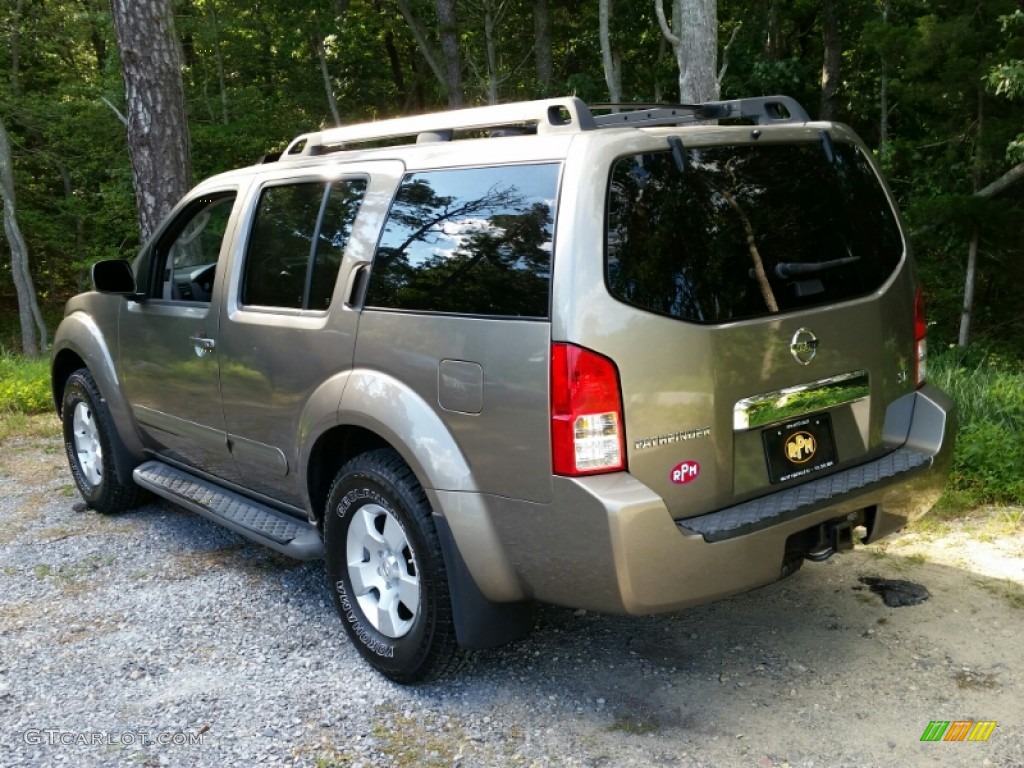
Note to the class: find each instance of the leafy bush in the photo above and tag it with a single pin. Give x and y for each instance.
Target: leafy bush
(24, 384)
(989, 455)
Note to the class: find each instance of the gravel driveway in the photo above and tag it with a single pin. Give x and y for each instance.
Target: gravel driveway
(157, 638)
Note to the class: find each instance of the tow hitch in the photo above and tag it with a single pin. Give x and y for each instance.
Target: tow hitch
(832, 537)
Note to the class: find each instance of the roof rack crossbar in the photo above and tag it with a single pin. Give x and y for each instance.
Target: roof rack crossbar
(765, 109)
(548, 115)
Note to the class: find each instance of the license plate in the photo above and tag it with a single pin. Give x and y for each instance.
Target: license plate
(799, 448)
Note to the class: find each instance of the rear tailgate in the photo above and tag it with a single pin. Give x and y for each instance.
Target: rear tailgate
(760, 310)
(703, 413)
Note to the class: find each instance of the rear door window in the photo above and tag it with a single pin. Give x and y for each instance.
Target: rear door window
(297, 242)
(737, 232)
(474, 241)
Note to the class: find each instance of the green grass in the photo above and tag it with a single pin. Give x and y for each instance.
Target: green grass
(24, 384)
(989, 394)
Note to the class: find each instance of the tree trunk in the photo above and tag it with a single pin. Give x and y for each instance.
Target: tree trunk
(16, 48)
(773, 32)
(972, 250)
(542, 47)
(33, 329)
(158, 136)
(69, 196)
(420, 35)
(883, 94)
(491, 46)
(694, 38)
(99, 49)
(219, 56)
(317, 41)
(972, 271)
(450, 48)
(662, 47)
(831, 61)
(394, 60)
(610, 59)
(725, 57)
(1008, 179)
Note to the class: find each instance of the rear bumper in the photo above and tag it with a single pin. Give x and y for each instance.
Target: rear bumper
(608, 543)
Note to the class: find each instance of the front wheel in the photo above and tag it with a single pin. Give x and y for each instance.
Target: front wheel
(88, 435)
(386, 571)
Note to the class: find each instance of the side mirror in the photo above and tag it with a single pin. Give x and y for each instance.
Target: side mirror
(115, 276)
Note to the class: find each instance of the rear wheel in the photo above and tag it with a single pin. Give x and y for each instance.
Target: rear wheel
(88, 431)
(386, 571)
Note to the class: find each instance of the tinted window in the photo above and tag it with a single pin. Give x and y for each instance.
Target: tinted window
(191, 247)
(471, 241)
(297, 242)
(747, 230)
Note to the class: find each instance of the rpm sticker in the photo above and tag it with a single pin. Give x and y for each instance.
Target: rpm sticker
(684, 472)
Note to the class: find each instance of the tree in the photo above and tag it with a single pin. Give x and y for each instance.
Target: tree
(316, 39)
(30, 318)
(493, 14)
(158, 132)
(694, 39)
(450, 47)
(609, 56)
(542, 46)
(252, 81)
(831, 61)
(1005, 79)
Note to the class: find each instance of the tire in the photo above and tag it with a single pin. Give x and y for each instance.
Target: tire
(88, 435)
(386, 571)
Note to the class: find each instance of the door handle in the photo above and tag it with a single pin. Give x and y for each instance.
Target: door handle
(356, 288)
(202, 345)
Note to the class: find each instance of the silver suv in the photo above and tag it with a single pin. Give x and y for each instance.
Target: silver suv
(629, 361)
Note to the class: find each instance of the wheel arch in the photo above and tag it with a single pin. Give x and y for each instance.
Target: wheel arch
(64, 363)
(79, 343)
(366, 409)
(378, 411)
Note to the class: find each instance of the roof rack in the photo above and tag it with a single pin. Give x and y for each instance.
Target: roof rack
(545, 116)
(766, 110)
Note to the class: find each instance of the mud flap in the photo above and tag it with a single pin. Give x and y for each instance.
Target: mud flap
(479, 623)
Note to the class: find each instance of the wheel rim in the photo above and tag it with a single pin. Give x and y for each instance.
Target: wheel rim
(383, 571)
(88, 450)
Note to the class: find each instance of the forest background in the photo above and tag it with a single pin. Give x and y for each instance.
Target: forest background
(935, 88)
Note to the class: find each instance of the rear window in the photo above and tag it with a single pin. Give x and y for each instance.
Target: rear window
(472, 241)
(715, 234)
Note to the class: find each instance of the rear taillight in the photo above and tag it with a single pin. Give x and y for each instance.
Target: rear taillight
(587, 434)
(920, 340)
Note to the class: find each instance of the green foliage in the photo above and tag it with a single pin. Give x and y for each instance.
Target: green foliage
(954, 74)
(24, 384)
(989, 393)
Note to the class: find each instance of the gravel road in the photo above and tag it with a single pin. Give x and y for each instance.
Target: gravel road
(156, 638)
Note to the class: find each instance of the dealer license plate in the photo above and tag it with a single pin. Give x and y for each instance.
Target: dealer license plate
(799, 448)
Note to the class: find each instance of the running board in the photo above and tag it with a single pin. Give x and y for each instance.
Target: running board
(258, 522)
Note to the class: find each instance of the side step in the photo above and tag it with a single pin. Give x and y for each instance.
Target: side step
(258, 522)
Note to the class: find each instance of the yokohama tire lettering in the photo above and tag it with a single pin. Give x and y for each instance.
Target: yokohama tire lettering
(372, 643)
(369, 641)
(359, 494)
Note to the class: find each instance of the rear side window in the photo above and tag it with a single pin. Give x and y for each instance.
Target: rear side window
(297, 242)
(746, 231)
(469, 241)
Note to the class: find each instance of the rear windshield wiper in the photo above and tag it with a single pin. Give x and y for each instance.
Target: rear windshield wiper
(787, 269)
